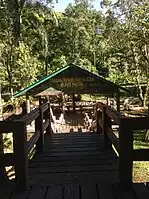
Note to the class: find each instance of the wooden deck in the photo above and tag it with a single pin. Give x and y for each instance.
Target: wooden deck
(75, 166)
(76, 157)
(86, 190)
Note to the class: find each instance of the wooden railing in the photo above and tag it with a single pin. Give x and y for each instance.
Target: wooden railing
(22, 146)
(105, 118)
(123, 143)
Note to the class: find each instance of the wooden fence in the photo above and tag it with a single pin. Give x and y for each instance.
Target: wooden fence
(22, 147)
(123, 143)
(105, 118)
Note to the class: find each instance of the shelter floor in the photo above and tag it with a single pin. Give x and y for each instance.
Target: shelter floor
(75, 166)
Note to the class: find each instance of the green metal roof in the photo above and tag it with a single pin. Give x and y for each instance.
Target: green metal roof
(60, 80)
(22, 92)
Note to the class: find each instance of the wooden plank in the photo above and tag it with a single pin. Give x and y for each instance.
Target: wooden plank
(73, 142)
(7, 126)
(7, 159)
(66, 169)
(44, 107)
(140, 191)
(74, 177)
(114, 140)
(113, 114)
(71, 191)
(5, 192)
(76, 134)
(72, 145)
(122, 193)
(75, 138)
(30, 117)
(37, 192)
(69, 150)
(33, 140)
(83, 153)
(106, 191)
(89, 191)
(102, 157)
(141, 155)
(137, 123)
(55, 192)
(21, 195)
(80, 138)
(74, 163)
(46, 124)
(81, 148)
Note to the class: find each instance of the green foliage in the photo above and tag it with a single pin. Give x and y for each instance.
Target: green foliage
(38, 41)
(27, 67)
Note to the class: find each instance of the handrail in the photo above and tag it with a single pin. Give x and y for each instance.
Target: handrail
(113, 114)
(30, 117)
(114, 139)
(21, 146)
(33, 140)
(124, 142)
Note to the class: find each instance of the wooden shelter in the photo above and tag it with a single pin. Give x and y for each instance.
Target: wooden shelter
(73, 79)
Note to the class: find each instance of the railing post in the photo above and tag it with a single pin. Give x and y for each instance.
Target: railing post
(98, 116)
(106, 125)
(21, 155)
(39, 126)
(126, 153)
(48, 115)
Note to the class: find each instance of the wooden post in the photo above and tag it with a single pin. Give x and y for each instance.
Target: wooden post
(48, 115)
(27, 104)
(106, 125)
(126, 153)
(21, 155)
(107, 101)
(39, 126)
(118, 100)
(73, 100)
(98, 116)
(40, 101)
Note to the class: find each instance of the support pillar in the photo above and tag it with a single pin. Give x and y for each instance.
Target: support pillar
(27, 104)
(118, 100)
(40, 101)
(73, 99)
